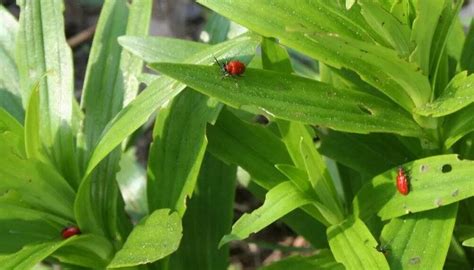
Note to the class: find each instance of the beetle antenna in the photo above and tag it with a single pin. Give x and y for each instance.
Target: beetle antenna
(217, 61)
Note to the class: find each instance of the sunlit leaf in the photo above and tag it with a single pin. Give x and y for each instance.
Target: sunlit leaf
(433, 182)
(421, 240)
(294, 98)
(155, 237)
(354, 246)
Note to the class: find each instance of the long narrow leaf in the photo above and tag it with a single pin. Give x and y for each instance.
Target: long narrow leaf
(323, 260)
(178, 150)
(320, 179)
(467, 57)
(161, 91)
(298, 99)
(424, 27)
(354, 246)
(457, 95)
(110, 83)
(421, 240)
(394, 32)
(343, 47)
(161, 49)
(10, 95)
(207, 219)
(458, 125)
(279, 201)
(42, 49)
(31, 255)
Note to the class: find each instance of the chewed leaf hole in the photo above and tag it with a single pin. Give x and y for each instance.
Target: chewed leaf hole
(446, 168)
(424, 168)
(261, 119)
(365, 109)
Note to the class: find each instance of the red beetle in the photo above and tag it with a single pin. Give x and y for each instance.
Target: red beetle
(232, 68)
(70, 231)
(402, 182)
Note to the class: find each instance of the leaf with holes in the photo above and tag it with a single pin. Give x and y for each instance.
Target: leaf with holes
(421, 240)
(295, 98)
(433, 182)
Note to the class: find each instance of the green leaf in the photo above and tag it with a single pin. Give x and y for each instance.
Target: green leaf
(279, 201)
(469, 242)
(32, 127)
(31, 255)
(424, 27)
(447, 21)
(38, 184)
(10, 95)
(208, 218)
(103, 92)
(86, 250)
(388, 26)
(257, 151)
(252, 147)
(292, 133)
(434, 181)
(42, 49)
(110, 83)
(178, 149)
(320, 179)
(420, 240)
(368, 154)
(216, 29)
(323, 260)
(346, 79)
(161, 49)
(9, 124)
(130, 65)
(298, 99)
(458, 125)
(354, 246)
(379, 66)
(302, 27)
(155, 237)
(404, 10)
(317, 210)
(467, 56)
(132, 183)
(454, 47)
(275, 57)
(458, 94)
(21, 225)
(350, 3)
(158, 93)
(281, 18)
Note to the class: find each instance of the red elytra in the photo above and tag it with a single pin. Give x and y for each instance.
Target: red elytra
(235, 67)
(231, 68)
(402, 182)
(70, 231)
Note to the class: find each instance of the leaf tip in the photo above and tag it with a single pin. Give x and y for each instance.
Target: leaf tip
(228, 238)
